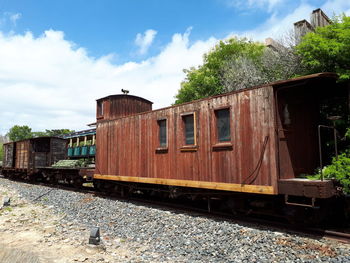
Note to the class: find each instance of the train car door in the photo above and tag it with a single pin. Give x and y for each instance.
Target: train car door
(297, 117)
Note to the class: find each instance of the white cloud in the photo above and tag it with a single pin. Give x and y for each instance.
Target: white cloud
(144, 41)
(268, 5)
(15, 17)
(278, 26)
(336, 7)
(8, 17)
(48, 82)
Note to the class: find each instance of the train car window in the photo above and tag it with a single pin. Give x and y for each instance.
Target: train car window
(223, 125)
(100, 108)
(41, 145)
(162, 133)
(189, 129)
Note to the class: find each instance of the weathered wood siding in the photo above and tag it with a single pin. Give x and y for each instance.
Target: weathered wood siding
(116, 106)
(34, 153)
(8, 158)
(127, 146)
(22, 154)
(58, 150)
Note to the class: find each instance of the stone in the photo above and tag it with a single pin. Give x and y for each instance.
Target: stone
(49, 229)
(6, 201)
(95, 237)
(148, 234)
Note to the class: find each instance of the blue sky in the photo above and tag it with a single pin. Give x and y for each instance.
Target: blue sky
(58, 57)
(105, 27)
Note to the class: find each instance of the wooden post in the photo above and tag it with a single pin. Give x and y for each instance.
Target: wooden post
(93, 139)
(85, 140)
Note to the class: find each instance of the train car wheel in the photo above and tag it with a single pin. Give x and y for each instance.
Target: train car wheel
(78, 182)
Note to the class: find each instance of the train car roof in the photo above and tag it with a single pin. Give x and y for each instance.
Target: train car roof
(36, 138)
(125, 96)
(330, 75)
(80, 133)
(280, 83)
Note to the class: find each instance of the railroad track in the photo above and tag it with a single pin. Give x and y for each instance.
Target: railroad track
(341, 235)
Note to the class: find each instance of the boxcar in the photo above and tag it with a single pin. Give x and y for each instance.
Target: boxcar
(258, 140)
(24, 158)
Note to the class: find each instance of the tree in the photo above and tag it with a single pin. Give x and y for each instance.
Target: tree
(328, 48)
(4, 139)
(237, 64)
(39, 134)
(206, 80)
(58, 132)
(52, 133)
(274, 64)
(17, 133)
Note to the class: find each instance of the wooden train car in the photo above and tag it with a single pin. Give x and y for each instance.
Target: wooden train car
(25, 158)
(257, 141)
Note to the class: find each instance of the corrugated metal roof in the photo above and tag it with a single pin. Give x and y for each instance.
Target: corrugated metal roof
(80, 133)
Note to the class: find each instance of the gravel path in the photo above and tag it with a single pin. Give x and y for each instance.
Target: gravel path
(157, 235)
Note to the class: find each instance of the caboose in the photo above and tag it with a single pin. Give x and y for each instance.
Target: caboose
(256, 142)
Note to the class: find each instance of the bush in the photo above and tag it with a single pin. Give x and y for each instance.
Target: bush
(347, 134)
(339, 169)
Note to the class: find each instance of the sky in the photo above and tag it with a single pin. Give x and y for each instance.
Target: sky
(57, 57)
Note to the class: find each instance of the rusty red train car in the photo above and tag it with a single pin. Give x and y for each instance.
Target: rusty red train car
(258, 140)
(26, 157)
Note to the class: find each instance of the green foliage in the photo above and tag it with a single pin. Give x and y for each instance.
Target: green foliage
(328, 48)
(347, 134)
(205, 81)
(71, 163)
(68, 163)
(338, 169)
(82, 143)
(58, 132)
(17, 133)
(52, 133)
(39, 134)
(239, 63)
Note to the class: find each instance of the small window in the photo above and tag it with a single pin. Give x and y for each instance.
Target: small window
(100, 108)
(189, 129)
(162, 133)
(223, 125)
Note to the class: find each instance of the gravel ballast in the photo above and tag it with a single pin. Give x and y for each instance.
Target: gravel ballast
(160, 235)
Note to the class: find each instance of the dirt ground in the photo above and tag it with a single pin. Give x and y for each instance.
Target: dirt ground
(33, 233)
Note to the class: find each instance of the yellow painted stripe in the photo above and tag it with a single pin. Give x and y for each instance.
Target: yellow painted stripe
(257, 189)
